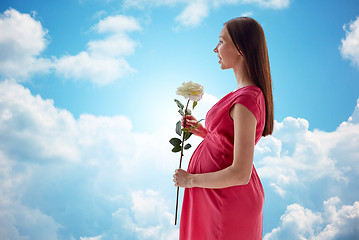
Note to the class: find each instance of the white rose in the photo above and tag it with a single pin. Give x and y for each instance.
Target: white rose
(190, 90)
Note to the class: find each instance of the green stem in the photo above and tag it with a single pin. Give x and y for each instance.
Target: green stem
(180, 164)
(184, 126)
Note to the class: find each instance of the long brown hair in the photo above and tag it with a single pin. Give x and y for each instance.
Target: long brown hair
(248, 36)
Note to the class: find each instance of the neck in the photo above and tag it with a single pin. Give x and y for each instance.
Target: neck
(242, 76)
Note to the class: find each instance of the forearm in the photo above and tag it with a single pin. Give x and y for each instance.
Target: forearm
(227, 177)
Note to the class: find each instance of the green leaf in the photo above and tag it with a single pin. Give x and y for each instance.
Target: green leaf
(187, 135)
(181, 112)
(178, 128)
(175, 141)
(179, 104)
(176, 148)
(193, 127)
(187, 146)
(184, 129)
(194, 104)
(189, 112)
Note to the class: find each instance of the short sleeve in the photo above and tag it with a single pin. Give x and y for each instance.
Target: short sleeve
(250, 101)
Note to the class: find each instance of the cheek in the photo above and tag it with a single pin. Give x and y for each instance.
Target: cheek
(224, 52)
(221, 50)
(229, 51)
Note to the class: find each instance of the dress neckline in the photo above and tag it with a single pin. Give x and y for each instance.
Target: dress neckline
(245, 87)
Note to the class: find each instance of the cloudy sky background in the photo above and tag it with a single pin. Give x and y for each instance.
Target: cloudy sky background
(86, 112)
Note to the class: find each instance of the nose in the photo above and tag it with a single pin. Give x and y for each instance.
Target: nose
(216, 49)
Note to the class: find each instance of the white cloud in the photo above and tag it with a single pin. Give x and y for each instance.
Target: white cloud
(114, 46)
(141, 4)
(95, 178)
(42, 131)
(275, 4)
(118, 43)
(117, 24)
(16, 220)
(91, 238)
(196, 11)
(152, 216)
(103, 62)
(78, 171)
(247, 14)
(354, 118)
(22, 40)
(146, 218)
(300, 223)
(350, 45)
(296, 156)
(193, 14)
(88, 67)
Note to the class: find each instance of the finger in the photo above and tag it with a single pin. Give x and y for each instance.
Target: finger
(189, 123)
(187, 120)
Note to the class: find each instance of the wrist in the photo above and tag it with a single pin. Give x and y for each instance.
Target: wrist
(204, 134)
(191, 181)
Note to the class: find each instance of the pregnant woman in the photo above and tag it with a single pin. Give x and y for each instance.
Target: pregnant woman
(224, 197)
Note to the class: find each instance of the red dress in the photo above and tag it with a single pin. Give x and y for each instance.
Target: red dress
(226, 213)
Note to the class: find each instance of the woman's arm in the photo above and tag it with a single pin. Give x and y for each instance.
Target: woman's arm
(239, 173)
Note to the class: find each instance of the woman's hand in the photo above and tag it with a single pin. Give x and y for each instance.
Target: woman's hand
(181, 178)
(199, 130)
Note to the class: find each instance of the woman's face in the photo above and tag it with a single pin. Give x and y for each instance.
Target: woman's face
(226, 51)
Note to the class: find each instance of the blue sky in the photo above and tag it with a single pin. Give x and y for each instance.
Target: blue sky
(86, 112)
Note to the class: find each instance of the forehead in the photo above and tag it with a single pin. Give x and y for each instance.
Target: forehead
(224, 32)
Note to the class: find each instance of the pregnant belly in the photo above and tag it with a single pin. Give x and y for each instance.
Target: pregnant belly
(208, 157)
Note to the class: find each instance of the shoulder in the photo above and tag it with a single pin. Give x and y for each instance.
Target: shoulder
(239, 112)
(250, 94)
(250, 97)
(250, 91)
